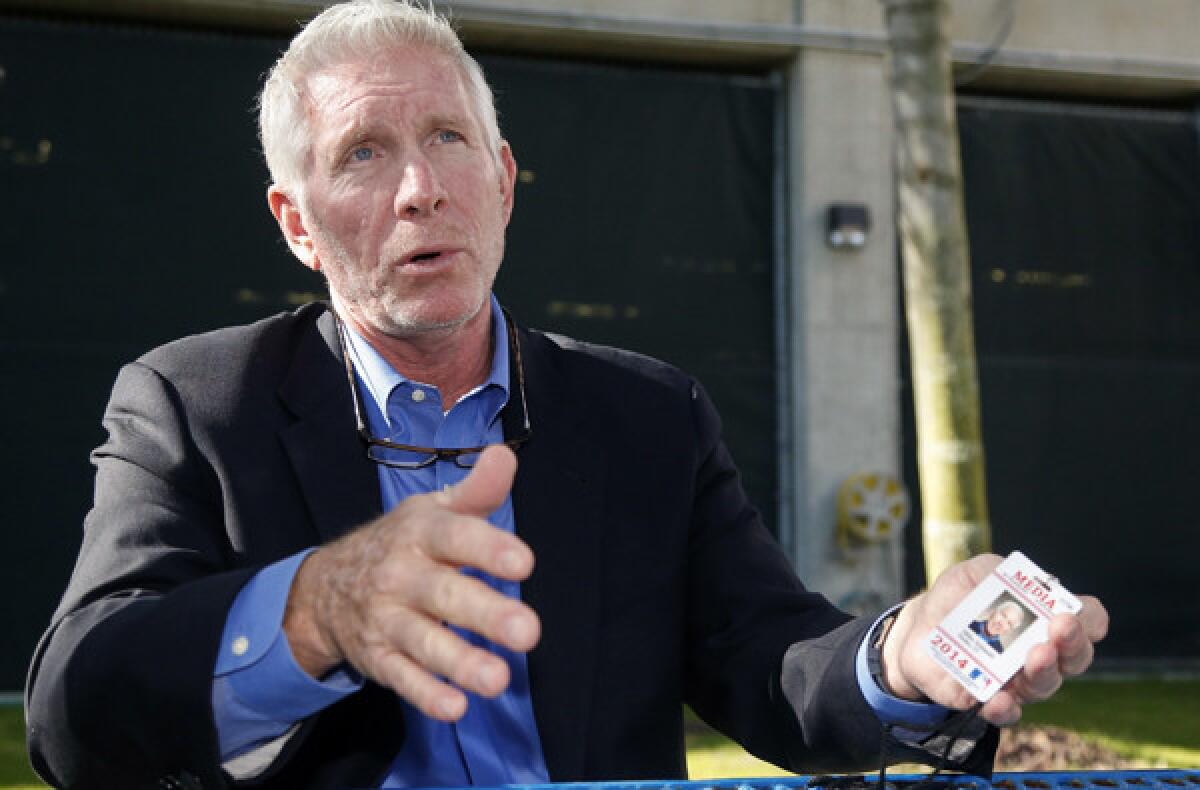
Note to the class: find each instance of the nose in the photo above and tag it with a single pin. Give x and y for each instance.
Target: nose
(420, 192)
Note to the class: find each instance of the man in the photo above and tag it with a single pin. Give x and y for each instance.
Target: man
(1004, 618)
(204, 639)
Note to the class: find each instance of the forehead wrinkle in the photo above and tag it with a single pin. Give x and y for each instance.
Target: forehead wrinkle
(388, 74)
(324, 94)
(335, 126)
(340, 93)
(363, 121)
(333, 98)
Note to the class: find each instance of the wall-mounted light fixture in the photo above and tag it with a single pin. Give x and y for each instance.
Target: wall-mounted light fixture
(847, 225)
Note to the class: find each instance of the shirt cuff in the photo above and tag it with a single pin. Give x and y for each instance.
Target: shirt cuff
(258, 688)
(890, 709)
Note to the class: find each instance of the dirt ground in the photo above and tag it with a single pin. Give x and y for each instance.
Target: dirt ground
(1041, 748)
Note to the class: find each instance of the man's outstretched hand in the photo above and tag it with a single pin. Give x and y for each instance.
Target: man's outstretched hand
(910, 673)
(380, 597)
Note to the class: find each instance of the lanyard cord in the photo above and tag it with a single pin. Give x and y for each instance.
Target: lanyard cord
(859, 782)
(952, 735)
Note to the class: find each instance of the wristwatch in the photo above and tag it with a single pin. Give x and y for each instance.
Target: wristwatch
(875, 649)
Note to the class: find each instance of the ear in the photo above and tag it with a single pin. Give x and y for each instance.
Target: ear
(291, 223)
(507, 176)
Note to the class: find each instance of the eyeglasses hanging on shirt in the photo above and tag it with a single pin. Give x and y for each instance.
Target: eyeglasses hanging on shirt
(407, 456)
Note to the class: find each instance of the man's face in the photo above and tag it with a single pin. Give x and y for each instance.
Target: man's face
(405, 202)
(1003, 620)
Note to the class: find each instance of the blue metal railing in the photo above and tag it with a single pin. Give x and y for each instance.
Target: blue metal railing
(1050, 780)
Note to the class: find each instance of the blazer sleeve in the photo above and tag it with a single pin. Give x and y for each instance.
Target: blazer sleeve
(746, 609)
(119, 689)
(770, 663)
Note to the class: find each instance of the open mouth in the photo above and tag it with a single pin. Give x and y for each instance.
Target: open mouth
(424, 256)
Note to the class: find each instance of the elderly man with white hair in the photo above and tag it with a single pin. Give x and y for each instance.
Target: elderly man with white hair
(398, 540)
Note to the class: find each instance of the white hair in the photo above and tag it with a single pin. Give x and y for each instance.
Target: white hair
(1009, 605)
(345, 33)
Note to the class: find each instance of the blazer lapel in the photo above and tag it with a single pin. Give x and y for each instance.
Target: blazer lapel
(557, 506)
(340, 485)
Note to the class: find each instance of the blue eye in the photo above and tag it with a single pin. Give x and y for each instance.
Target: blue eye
(362, 154)
(449, 136)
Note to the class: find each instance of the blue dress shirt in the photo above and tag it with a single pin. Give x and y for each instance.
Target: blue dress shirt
(980, 628)
(260, 693)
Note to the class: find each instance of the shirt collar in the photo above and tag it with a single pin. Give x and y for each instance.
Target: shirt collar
(379, 378)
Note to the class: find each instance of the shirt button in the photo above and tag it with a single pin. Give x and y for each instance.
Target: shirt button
(418, 395)
(240, 646)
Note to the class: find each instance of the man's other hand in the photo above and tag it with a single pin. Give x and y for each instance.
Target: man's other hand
(380, 597)
(911, 673)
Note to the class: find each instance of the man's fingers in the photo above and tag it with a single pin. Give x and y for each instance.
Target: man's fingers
(422, 690)
(1093, 617)
(438, 650)
(471, 542)
(1002, 710)
(404, 642)
(449, 596)
(1069, 637)
(390, 589)
(1040, 677)
(487, 485)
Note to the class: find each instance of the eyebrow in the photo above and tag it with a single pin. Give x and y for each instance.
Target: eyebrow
(443, 119)
(360, 126)
(359, 129)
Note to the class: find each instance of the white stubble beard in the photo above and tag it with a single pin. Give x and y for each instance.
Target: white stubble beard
(371, 300)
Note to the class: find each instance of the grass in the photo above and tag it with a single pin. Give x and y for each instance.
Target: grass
(1154, 722)
(15, 773)
(712, 756)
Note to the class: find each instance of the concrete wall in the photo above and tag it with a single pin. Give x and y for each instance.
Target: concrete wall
(841, 404)
(842, 306)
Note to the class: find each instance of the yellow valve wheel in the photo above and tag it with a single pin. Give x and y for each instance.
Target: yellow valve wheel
(870, 508)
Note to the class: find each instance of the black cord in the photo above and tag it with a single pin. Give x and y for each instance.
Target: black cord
(860, 782)
(883, 755)
(847, 782)
(952, 736)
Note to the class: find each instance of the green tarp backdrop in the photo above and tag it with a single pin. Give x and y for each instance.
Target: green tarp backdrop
(1084, 225)
(133, 212)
